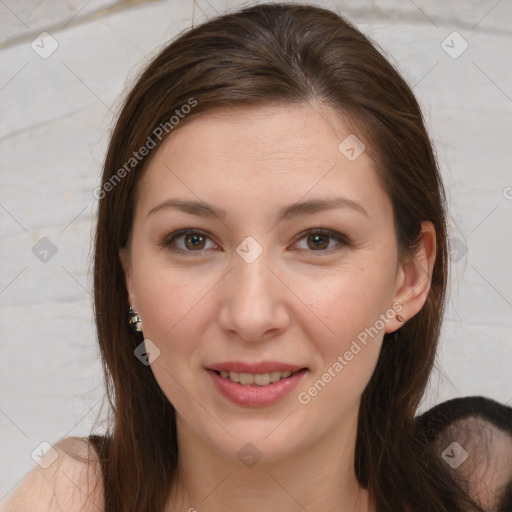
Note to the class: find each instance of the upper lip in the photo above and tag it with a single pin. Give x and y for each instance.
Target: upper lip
(260, 367)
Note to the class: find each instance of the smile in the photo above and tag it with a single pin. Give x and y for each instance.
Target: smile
(256, 389)
(259, 379)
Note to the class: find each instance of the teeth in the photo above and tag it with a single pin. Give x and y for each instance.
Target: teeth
(275, 376)
(260, 379)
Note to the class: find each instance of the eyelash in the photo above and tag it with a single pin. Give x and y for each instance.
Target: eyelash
(339, 237)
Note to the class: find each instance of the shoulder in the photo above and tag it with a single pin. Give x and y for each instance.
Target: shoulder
(69, 479)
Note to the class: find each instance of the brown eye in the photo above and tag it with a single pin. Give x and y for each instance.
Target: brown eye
(321, 240)
(194, 241)
(318, 242)
(187, 241)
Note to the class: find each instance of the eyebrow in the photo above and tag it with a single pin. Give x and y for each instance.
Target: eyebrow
(203, 209)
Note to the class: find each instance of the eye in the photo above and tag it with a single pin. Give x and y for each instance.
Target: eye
(318, 240)
(192, 241)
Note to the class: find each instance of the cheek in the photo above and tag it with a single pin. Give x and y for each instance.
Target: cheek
(172, 311)
(351, 306)
(166, 296)
(351, 299)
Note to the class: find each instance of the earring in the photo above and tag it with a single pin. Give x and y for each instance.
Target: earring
(396, 334)
(134, 320)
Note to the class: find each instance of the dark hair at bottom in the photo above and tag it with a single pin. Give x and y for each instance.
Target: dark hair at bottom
(433, 425)
(434, 421)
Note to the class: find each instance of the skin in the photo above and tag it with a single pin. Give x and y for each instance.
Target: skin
(294, 303)
(66, 484)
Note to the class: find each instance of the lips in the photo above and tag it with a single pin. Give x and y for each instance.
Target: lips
(256, 384)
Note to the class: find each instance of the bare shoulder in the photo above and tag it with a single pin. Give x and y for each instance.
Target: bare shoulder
(68, 479)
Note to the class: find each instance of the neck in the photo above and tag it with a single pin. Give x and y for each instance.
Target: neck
(320, 477)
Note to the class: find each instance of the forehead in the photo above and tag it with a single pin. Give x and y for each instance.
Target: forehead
(264, 151)
(283, 133)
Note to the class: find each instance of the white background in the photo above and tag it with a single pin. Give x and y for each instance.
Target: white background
(56, 115)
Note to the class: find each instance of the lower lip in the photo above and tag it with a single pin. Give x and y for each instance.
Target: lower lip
(256, 396)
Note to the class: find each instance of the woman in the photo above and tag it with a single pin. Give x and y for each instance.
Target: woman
(284, 359)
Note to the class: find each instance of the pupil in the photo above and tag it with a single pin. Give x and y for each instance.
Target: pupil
(319, 238)
(195, 239)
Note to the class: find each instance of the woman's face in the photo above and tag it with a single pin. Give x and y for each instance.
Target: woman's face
(251, 286)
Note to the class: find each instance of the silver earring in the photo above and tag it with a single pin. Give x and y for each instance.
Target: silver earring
(134, 320)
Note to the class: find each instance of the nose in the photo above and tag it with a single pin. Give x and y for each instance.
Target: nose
(253, 300)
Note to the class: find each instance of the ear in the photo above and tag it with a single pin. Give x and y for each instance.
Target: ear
(414, 277)
(124, 256)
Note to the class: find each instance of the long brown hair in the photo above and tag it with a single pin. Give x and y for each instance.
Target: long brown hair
(275, 53)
